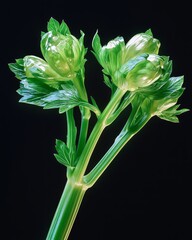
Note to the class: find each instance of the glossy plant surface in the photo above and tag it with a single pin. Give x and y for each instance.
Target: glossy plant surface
(141, 85)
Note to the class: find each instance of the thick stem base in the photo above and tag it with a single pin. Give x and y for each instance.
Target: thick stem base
(66, 212)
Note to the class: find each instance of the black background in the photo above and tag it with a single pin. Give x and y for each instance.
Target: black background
(145, 193)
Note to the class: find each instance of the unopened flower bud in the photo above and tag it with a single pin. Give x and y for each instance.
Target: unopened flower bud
(139, 72)
(141, 43)
(37, 67)
(110, 55)
(63, 53)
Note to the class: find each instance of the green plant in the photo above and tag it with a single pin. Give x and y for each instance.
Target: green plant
(137, 76)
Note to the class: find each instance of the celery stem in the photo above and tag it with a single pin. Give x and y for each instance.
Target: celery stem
(75, 187)
(120, 141)
(85, 115)
(71, 130)
(95, 134)
(66, 212)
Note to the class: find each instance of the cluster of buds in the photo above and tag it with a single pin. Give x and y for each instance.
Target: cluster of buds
(133, 65)
(63, 56)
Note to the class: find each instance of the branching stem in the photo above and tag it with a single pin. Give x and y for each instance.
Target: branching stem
(95, 135)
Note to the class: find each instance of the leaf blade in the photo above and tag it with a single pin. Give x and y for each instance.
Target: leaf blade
(64, 154)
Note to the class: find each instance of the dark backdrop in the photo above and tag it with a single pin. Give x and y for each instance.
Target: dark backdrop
(145, 192)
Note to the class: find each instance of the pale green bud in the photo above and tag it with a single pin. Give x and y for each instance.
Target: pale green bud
(141, 43)
(37, 67)
(139, 72)
(63, 53)
(110, 55)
